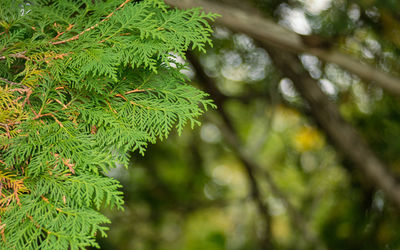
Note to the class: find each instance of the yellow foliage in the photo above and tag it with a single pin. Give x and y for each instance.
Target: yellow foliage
(11, 188)
(11, 113)
(32, 77)
(308, 139)
(281, 228)
(10, 109)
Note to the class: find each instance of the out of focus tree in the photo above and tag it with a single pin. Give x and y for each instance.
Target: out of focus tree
(303, 150)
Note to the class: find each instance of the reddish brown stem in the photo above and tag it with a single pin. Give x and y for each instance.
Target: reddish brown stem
(136, 90)
(16, 55)
(9, 82)
(76, 37)
(70, 26)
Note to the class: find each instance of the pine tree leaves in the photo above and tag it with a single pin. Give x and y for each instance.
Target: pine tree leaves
(82, 83)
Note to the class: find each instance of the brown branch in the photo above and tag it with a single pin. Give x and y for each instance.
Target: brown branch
(62, 104)
(7, 128)
(16, 55)
(11, 82)
(233, 140)
(40, 115)
(70, 26)
(342, 134)
(76, 37)
(136, 90)
(234, 143)
(271, 34)
(251, 167)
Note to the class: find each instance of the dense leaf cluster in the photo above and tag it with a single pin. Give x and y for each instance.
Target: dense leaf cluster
(81, 84)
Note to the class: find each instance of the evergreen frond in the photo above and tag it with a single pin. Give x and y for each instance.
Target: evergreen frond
(82, 84)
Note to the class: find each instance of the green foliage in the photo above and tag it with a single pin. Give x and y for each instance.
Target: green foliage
(82, 83)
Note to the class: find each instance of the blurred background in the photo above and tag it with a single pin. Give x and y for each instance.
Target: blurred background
(291, 158)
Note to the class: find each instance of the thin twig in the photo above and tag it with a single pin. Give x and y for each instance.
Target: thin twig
(70, 26)
(136, 90)
(130, 92)
(9, 82)
(51, 115)
(76, 37)
(16, 55)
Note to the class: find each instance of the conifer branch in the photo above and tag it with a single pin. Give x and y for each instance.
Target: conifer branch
(80, 122)
(76, 37)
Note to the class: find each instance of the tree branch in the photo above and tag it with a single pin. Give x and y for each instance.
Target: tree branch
(16, 55)
(271, 34)
(342, 134)
(10, 82)
(234, 140)
(250, 165)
